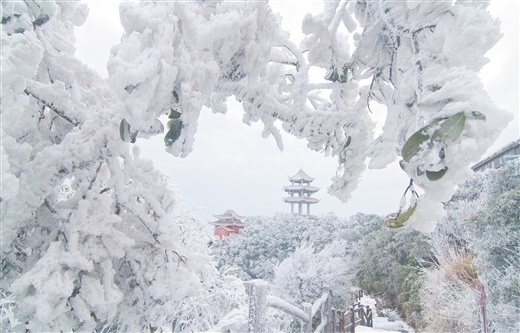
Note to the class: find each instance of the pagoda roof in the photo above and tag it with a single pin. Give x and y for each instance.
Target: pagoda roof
(297, 188)
(229, 223)
(308, 200)
(229, 215)
(301, 175)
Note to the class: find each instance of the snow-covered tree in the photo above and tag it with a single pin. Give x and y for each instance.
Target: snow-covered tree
(267, 241)
(176, 57)
(389, 267)
(301, 277)
(92, 237)
(480, 238)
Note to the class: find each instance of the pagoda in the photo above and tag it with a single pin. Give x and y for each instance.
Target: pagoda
(300, 192)
(228, 223)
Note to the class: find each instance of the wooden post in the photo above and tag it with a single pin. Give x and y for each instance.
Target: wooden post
(307, 326)
(326, 310)
(257, 292)
(480, 297)
(352, 320)
(370, 323)
(333, 320)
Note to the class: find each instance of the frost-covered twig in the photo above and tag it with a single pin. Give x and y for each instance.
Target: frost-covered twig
(60, 113)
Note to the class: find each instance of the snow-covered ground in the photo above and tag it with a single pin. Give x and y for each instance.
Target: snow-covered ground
(381, 324)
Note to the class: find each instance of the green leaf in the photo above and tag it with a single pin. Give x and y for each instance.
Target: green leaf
(434, 87)
(414, 143)
(436, 175)
(133, 137)
(333, 76)
(344, 77)
(174, 132)
(349, 140)
(451, 127)
(174, 114)
(124, 128)
(477, 115)
(125, 132)
(175, 97)
(400, 220)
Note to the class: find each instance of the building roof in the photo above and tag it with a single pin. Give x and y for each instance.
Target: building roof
(301, 175)
(229, 215)
(502, 151)
(228, 223)
(308, 200)
(298, 188)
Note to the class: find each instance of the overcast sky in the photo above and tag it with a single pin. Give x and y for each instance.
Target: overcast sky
(233, 167)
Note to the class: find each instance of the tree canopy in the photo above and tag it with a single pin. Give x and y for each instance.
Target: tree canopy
(176, 57)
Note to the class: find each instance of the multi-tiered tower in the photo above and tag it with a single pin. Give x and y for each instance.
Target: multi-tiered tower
(301, 191)
(228, 223)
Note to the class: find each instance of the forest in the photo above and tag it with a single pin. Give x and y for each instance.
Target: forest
(93, 237)
(424, 278)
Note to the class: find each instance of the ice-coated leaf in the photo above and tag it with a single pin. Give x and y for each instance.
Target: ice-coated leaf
(436, 175)
(174, 132)
(414, 143)
(333, 75)
(125, 132)
(400, 220)
(434, 87)
(448, 128)
(349, 139)
(477, 115)
(451, 127)
(124, 127)
(174, 114)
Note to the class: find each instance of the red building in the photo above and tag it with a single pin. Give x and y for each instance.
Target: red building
(228, 223)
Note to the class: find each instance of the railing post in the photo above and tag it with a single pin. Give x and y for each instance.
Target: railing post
(341, 321)
(307, 326)
(333, 311)
(352, 320)
(257, 292)
(326, 310)
(369, 317)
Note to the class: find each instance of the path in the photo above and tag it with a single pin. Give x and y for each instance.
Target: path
(381, 324)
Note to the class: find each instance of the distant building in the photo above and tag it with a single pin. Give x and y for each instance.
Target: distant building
(507, 153)
(300, 192)
(228, 223)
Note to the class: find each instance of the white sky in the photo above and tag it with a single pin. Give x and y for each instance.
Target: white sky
(233, 167)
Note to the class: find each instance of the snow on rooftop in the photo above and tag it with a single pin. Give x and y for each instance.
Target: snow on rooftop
(301, 175)
(229, 215)
(301, 199)
(305, 188)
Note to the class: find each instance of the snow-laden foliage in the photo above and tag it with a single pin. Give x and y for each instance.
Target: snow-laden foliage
(389, 267)
(480, 238)
(267, 241)
(298, 255)
(420, 60)
(302, 276)
(448, 302)
(92, 238)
